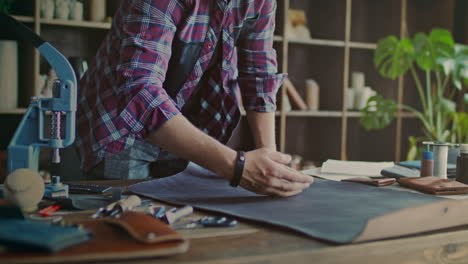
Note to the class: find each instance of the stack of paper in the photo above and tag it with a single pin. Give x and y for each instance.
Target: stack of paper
(338, 170)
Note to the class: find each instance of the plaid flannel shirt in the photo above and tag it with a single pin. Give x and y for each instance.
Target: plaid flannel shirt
(122, 98)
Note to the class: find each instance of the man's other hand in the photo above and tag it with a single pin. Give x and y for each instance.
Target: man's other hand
(266, 172)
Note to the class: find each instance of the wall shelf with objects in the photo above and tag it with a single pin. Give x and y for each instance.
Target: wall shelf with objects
(308, 113)
(349, 114)
(317, 42)
(77, 36)
(74, 27)
(329, 41)
(326, 41)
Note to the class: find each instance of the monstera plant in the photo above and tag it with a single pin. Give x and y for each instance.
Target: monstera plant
(439, 68)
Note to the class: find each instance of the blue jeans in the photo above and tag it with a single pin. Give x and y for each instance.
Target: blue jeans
(141, 161)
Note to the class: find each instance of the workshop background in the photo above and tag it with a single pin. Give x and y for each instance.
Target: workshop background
(326, 46)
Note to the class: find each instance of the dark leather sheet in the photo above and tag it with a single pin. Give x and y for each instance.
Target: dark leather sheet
(328, 210)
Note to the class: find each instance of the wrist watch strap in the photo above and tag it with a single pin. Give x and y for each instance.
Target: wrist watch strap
(238, 169)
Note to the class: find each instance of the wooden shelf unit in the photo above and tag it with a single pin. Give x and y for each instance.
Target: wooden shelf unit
(344, 35)
(14, 111)
(24, 19)
(78, 24)
(71, 37)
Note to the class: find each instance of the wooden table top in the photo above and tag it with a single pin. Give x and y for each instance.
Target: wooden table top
(250, 242)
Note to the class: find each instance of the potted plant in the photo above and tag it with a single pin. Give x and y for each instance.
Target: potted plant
(444, 66)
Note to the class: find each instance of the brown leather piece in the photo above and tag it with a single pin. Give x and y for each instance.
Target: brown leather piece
(142, 228)
(371, 181)
(434, 185)
(133, 235)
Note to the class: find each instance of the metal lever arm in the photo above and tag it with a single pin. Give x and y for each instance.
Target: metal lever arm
(23, 150)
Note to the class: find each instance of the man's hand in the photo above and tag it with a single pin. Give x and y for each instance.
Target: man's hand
(265, 172)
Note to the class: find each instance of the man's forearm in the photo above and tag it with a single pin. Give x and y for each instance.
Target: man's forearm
(262, 126)
(264, 170)
(179, 136)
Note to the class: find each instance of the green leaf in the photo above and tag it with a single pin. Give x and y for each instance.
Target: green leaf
(464, 75)
(447, 106)
(456, 82)
(460, 72)
(439, 35)
(461, 127)
(462, 66)
(378, 113)
(413, 152)
(448, 65)
(422, 48)
(445, 136)
(393, 57)
(428, 49)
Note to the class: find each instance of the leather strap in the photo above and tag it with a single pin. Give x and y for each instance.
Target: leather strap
(141, 227)
(132, 236)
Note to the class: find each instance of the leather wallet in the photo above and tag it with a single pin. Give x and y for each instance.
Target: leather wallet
(25, 235)
(434, 185)
(372, 181)
(131, 236)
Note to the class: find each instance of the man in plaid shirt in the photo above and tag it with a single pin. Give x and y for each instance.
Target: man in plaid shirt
(167, 83)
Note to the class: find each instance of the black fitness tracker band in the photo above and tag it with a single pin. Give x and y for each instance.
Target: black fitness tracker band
(238, 169)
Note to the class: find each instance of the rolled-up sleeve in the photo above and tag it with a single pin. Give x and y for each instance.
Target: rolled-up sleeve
(146, 32)
(258, 69)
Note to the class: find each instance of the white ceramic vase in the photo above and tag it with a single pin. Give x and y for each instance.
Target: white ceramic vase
(97, 10)
(357, 80)
(76, 11)
(47, 9)
(8, 74)
(361, 95)
(312, 95)
(62, 9)
(349, 98)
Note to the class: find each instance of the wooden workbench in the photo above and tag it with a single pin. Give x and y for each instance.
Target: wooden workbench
(255, 243)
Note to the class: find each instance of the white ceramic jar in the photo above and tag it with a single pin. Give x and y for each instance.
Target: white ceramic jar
(62, 9)
(47, 8)
(8, 74)
(76, 11)
(97, 10)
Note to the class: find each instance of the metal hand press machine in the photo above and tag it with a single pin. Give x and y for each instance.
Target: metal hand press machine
(30, 136)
